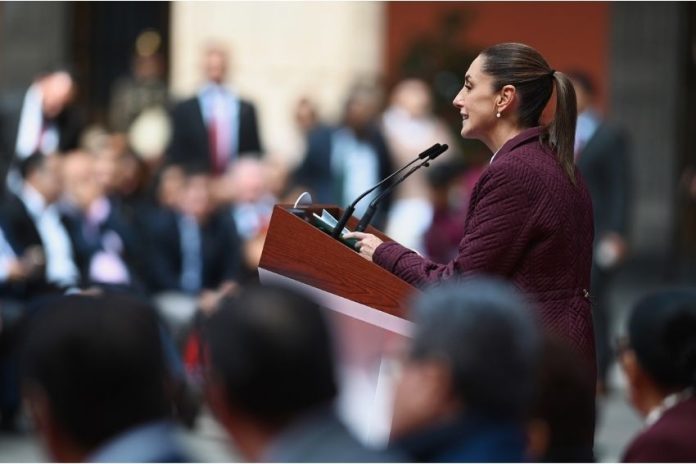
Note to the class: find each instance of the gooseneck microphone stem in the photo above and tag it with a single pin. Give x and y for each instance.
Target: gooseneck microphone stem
(372, 209)
(427, 154)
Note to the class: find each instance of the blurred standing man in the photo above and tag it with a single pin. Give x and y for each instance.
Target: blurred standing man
(601, 154)
(213, 128)
(43, 122)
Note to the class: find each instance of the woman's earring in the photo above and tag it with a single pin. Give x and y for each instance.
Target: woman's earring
(497, 115)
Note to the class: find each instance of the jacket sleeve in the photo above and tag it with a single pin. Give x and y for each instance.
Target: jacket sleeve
(497, 234)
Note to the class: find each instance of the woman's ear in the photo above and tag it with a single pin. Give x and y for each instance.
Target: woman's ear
(506, 99)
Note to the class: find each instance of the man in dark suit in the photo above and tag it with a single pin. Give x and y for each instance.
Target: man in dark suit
(43, 120)
(216, 126)
(33, 224)
(195, 251)
(342, 162)
(272, 380)
(601, 154)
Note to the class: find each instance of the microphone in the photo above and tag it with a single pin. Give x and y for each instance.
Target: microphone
(427, 154)
(372, 209)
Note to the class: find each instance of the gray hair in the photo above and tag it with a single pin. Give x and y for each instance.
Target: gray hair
(487, 334)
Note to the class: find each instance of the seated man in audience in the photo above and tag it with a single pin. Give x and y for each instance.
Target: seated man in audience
(469, 378)
(107, 250)
(271, 380)
(195, 250)
(96, 381)
(659, 360)
(33, 225)
(245, 188)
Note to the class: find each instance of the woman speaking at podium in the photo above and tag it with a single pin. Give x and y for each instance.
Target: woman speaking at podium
(530, 216)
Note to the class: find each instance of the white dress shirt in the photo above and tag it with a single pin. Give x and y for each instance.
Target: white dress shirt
(31, 134)
(7, 257)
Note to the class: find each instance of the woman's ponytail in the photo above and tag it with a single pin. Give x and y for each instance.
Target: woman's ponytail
(562, 129)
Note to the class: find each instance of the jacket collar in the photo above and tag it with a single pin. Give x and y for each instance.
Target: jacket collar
(524, 137)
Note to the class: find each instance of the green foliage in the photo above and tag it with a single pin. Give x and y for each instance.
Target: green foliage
(441, 59)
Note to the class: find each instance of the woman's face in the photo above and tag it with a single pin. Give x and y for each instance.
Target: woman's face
(477, 102)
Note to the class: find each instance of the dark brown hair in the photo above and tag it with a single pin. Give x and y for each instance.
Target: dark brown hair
(524, 68)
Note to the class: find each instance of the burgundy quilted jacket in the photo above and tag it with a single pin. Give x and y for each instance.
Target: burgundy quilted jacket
(528, 224)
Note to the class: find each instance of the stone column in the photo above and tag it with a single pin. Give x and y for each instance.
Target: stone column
(646, 47)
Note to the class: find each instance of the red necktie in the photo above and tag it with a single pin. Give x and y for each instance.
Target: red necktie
(215, 158)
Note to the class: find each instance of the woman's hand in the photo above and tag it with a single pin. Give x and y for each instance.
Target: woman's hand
(367, 243)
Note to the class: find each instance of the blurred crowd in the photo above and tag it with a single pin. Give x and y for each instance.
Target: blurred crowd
(154, 224)
(170, 200)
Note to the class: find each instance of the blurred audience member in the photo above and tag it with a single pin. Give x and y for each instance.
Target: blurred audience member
(108, 252)
(306, 115)
(96, 381)
(659, 361)
(33, 225)
(342, 162)
(195, 250)
(410, 127)
(123, 176)
(468, 381)
(144, 88)
(272, 381)
(441, 239)
(563, 419)
(215, 127)
(168, 185)
(15, 272)
(601, 154)
(246, 189)
(43, 121)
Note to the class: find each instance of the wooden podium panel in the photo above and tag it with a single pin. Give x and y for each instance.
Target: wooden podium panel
(299, 250)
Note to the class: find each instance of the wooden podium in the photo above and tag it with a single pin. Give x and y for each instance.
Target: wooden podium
(367, 310)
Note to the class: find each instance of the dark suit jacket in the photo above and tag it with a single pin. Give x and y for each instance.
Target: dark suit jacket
(190, 143)
(526, 223)
(670, 439)
(315, 172)
(605, 167)
(221, 250)
(87, 243)
(466, 439)
(22, 234)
